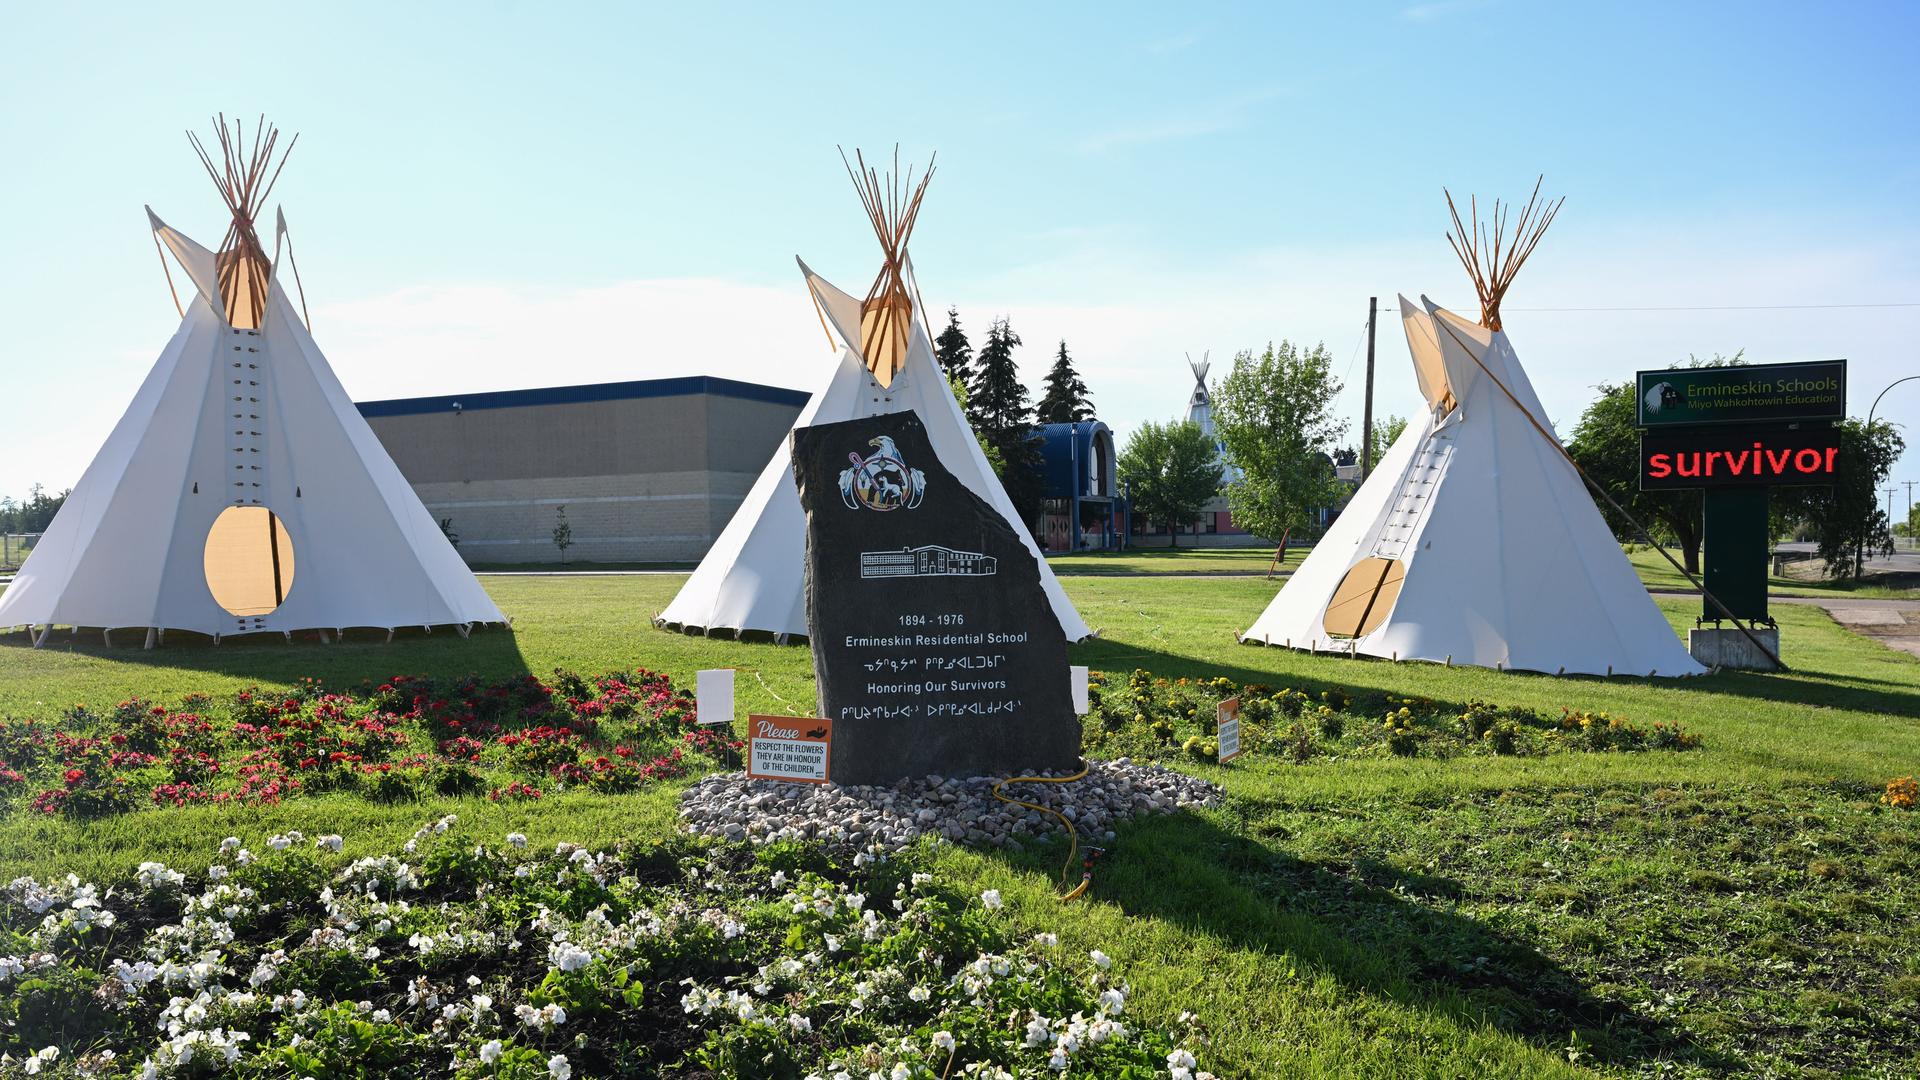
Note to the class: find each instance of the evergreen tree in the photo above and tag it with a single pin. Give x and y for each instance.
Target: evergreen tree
(997, 399)
(953, 350)
(1066, 400)
(998, 409)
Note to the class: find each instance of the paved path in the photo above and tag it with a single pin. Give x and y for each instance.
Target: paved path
(1831, 603)
(1893, 623)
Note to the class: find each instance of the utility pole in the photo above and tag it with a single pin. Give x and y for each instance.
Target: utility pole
(1366, 414)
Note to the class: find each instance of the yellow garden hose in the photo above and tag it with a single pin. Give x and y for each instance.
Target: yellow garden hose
(1073, 833)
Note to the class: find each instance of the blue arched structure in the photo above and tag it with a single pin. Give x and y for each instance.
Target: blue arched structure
(1081, 497)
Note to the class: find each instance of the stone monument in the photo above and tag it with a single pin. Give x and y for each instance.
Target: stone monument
(934, 646)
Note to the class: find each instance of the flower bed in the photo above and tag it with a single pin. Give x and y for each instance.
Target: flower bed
(465, 959)
(1146, 717)
(407, 737)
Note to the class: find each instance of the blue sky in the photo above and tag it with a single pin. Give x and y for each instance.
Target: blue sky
(488, 195)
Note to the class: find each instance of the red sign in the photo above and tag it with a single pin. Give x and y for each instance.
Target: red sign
(1734, 457)
(791, 748)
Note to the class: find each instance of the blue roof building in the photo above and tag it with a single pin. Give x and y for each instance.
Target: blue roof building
(1081, 497)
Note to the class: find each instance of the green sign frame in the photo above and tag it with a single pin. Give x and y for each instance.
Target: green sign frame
(1744, 394)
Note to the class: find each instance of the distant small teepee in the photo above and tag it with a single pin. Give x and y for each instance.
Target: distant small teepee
(242, 491)
(1474, 540)
(753, 578)
(1200, 404)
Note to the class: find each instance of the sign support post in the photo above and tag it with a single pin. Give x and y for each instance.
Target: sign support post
(1734, 552)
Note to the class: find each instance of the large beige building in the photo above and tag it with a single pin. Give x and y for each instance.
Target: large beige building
(647, 471)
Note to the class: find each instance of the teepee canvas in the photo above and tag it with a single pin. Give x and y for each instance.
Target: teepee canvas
(753, 577)
(1474, 541)
(242, 492)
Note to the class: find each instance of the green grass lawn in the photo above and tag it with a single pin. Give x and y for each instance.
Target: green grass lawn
(1184, 560)
(1659, 574)
(1747, 908)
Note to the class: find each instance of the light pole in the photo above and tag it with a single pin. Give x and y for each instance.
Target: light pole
(1860, 547)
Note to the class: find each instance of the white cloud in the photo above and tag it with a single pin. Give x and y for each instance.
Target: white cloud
(1185, 122)
(461, 338)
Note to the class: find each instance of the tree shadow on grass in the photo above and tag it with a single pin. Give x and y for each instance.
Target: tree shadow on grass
(1377, 928)
(1803, 687)
(360, 654)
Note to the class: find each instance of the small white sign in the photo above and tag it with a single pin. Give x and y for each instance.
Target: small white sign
(1079, 690)
(713, 696)
(789, 748)
(1227, 728)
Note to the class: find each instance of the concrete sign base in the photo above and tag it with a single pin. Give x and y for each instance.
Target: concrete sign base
(1729, 648)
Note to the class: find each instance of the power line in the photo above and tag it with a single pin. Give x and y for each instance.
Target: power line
(1725, 307)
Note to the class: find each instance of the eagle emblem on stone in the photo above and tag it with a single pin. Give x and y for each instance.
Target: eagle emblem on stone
(881, 481)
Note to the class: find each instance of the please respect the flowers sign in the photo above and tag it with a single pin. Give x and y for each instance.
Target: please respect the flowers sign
(789, 748)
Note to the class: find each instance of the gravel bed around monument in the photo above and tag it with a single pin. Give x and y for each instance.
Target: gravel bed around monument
(732, 807)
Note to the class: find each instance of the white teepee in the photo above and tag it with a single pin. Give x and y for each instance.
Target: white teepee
(1200, 411)
(753, 577)
(1200, 403)
(1474, 540)
(242, 491)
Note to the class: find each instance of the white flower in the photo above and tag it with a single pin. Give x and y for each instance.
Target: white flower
(1058, 1061)
(991, 898)
(900, 1072)
(1046, 940)
(920, 879)
(231, 843)
(943, 1040)
(779, 879)
(491, 1052)
(919, 993)
(558, 1068)
(1038, 1034)
(799, 1023)
(332, 842)
(279, 843)
(517, 839)
(216, 872)
(373, 952)
(1101, 960)
(41, 1059)
(1180, 1059)
(1113, 1002)
(567, 956)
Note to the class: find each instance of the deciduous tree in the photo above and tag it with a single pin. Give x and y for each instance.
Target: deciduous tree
(1169, 471)
(1274, 413)
(1606, 445)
